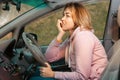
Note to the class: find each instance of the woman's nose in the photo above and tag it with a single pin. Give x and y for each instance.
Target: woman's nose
(63, 18)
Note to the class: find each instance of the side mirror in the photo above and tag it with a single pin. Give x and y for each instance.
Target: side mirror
(34, 36)
(20, 42)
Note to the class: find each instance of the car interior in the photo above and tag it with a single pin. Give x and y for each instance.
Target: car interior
(17, 62)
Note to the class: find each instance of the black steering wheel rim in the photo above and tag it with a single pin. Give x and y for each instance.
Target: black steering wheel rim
(32, 45)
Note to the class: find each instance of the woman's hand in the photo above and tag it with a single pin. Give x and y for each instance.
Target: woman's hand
(47, 71)
(59, 26)
(61, 31)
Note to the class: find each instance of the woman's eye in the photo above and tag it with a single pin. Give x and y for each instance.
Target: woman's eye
(67, 15)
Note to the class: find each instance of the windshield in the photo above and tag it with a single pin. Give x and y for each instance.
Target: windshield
(12, 12)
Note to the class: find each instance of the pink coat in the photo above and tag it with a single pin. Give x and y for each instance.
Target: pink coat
(87, 59)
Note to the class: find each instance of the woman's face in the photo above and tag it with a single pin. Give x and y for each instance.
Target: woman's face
(67, 20)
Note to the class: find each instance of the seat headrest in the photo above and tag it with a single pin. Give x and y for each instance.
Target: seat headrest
(118, 16)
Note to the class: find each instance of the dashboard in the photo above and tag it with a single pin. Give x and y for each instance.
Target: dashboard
(20, 66)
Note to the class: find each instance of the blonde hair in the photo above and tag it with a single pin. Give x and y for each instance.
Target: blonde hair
(80, 15)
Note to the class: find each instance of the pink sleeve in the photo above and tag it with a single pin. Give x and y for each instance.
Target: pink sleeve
(83, 47)
(55, 51)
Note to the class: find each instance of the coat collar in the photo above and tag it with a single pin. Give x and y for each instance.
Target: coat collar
(78, 29)
(74, 33)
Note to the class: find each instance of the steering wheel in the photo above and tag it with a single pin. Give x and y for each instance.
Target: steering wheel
(33, 46)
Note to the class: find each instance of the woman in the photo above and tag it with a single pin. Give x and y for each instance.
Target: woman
(83, 51)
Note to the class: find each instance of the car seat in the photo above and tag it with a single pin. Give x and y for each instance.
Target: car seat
(112, 70)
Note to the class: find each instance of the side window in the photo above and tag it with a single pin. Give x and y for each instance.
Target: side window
(45, 27)
(98, 13)
(6, 37)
